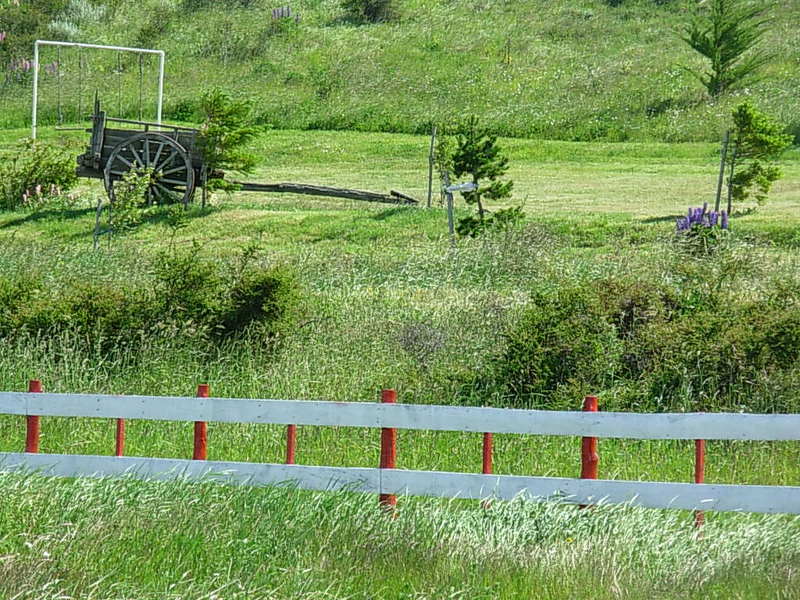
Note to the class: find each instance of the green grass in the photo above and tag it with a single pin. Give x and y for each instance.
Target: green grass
(389, 304)
(124, 539)
(581, 70)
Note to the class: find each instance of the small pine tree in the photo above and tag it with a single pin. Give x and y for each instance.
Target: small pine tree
(756, 140)
(727, 33)
(477, 155)
(226, 130)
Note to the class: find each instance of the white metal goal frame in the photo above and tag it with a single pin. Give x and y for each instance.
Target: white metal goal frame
(161, 59)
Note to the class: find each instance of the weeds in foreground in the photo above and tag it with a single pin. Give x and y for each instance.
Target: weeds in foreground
(83, 538)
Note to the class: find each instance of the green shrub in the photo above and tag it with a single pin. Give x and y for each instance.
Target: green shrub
(757, 141)
(130, 193)
(226, 131)
(33, 174)
(16, 293)
(477, 155)
(185, 109)
(369, 11)
(189, 288)
(188, 294)
(267, 298)
(720, 358)
(25, 22)
(561, 343)
(652, 346)
(728, 33)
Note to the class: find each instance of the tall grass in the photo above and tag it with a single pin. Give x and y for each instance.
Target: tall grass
(125, 539)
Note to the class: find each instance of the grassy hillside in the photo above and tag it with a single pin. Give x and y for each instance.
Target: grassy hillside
(578, 70)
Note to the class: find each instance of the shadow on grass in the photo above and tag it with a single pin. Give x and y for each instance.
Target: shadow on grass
(389, 213)
(667, 219)
(159, 216)
(44, 215)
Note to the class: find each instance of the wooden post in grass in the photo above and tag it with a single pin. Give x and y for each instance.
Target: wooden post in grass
(488, 447)
(119, 449)
(32, 432)
(699, 476)
(590, 459)
(431, 156)
(487, 453)
(388, 450)
(722, 159)
(201, 429)
(450, 219)
(291, 443)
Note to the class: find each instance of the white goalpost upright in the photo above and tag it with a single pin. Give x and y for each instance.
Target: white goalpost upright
(159, 53)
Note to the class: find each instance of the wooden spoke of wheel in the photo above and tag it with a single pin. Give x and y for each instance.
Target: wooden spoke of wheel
(172, 175)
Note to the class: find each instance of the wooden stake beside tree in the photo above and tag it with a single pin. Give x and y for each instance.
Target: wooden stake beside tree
(431, 160)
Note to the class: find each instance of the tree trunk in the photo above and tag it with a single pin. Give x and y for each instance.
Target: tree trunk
(730, 179)
(478, 196)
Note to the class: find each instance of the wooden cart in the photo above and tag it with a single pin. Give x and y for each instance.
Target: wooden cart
(174, 159)
(170, 153)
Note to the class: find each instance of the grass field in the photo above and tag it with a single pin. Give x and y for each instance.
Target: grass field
(375, 279)
(580, 70)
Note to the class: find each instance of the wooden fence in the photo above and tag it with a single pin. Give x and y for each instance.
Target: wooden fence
(390, 416)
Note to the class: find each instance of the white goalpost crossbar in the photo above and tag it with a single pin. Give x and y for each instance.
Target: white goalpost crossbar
(161, 58)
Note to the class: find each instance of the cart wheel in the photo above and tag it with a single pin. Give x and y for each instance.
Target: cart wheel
(172, 178)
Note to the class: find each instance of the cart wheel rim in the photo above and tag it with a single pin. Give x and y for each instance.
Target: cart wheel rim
(172, 177)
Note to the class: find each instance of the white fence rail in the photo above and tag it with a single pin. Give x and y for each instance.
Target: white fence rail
(765, 499)
(689, 496)
(666, 426)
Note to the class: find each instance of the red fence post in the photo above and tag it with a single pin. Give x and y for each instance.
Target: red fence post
(201, 429)
(119, 450)
(590, 459)
(487, 461)
(699, 476)
(487, 453)
(388, 449)
(32, 421)
(291, 443)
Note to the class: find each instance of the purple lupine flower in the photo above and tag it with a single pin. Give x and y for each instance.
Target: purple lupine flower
(702, 217)
(20, 64)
